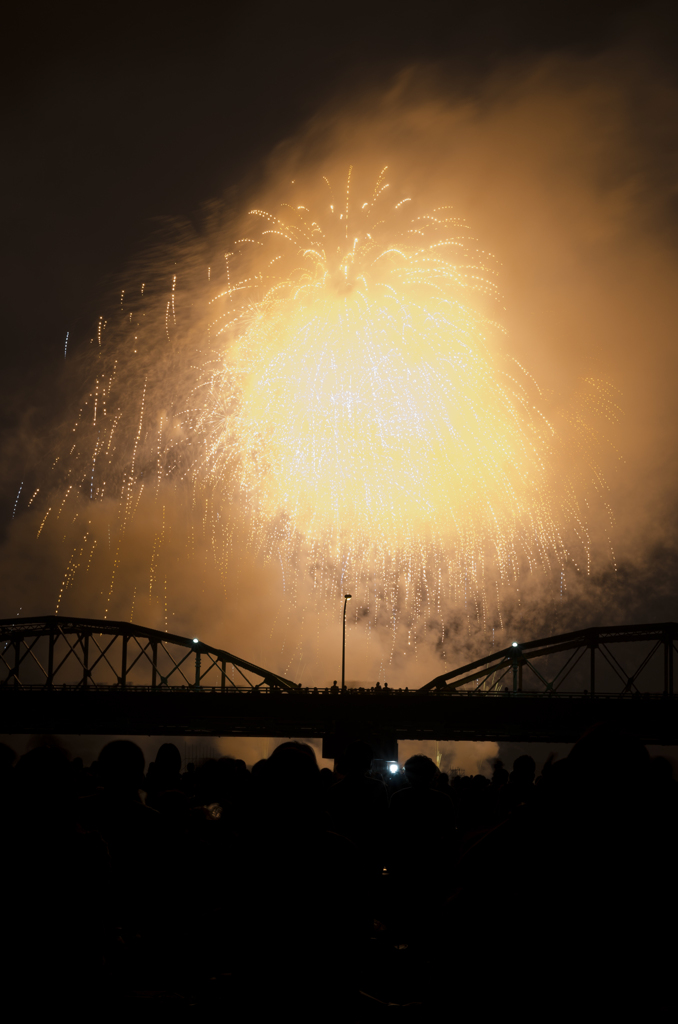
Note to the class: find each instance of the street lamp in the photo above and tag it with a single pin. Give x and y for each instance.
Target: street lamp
(347, 598)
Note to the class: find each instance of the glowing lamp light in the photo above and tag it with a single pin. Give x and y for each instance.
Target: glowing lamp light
(514, 644)
(195, 640)
(393, 768)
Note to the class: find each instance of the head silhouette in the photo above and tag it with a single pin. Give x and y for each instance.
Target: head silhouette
(524, 768)
(420, 771)
(121, 766)
(168, 759)
(292, 771)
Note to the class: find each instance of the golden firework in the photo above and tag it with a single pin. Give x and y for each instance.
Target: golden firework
(358, 418)
(362, 404)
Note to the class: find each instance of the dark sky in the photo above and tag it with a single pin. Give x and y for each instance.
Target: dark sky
(117, 114)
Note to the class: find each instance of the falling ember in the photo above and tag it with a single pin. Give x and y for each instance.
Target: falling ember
(17, 499)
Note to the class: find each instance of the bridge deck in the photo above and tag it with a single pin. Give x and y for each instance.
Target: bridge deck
(400, 714)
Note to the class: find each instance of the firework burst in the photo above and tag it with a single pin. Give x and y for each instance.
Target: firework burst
(361, 405)
(339, 398)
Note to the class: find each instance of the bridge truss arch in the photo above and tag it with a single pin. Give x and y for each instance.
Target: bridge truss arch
(602, 661)
(72, 653)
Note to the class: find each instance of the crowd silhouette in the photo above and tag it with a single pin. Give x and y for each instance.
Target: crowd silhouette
(353, 895)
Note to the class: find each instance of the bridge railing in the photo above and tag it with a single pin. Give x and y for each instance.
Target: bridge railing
(324, 693)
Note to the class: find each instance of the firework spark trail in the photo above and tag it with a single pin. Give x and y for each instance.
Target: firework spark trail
(17, 499)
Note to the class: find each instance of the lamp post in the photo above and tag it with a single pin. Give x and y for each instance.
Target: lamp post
(347, 598)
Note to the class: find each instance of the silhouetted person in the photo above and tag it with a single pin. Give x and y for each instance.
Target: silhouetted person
(357, 805)
(522, 777)
(500, 776)
(131, 830)
(421, 839)
(165, 772)
(230, 789)
(520, 788)
(304, 911)
(419, 811)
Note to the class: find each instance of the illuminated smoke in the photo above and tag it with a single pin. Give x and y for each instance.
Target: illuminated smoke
(363, 408)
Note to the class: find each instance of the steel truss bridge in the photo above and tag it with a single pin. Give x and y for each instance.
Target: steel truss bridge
(66, 675)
